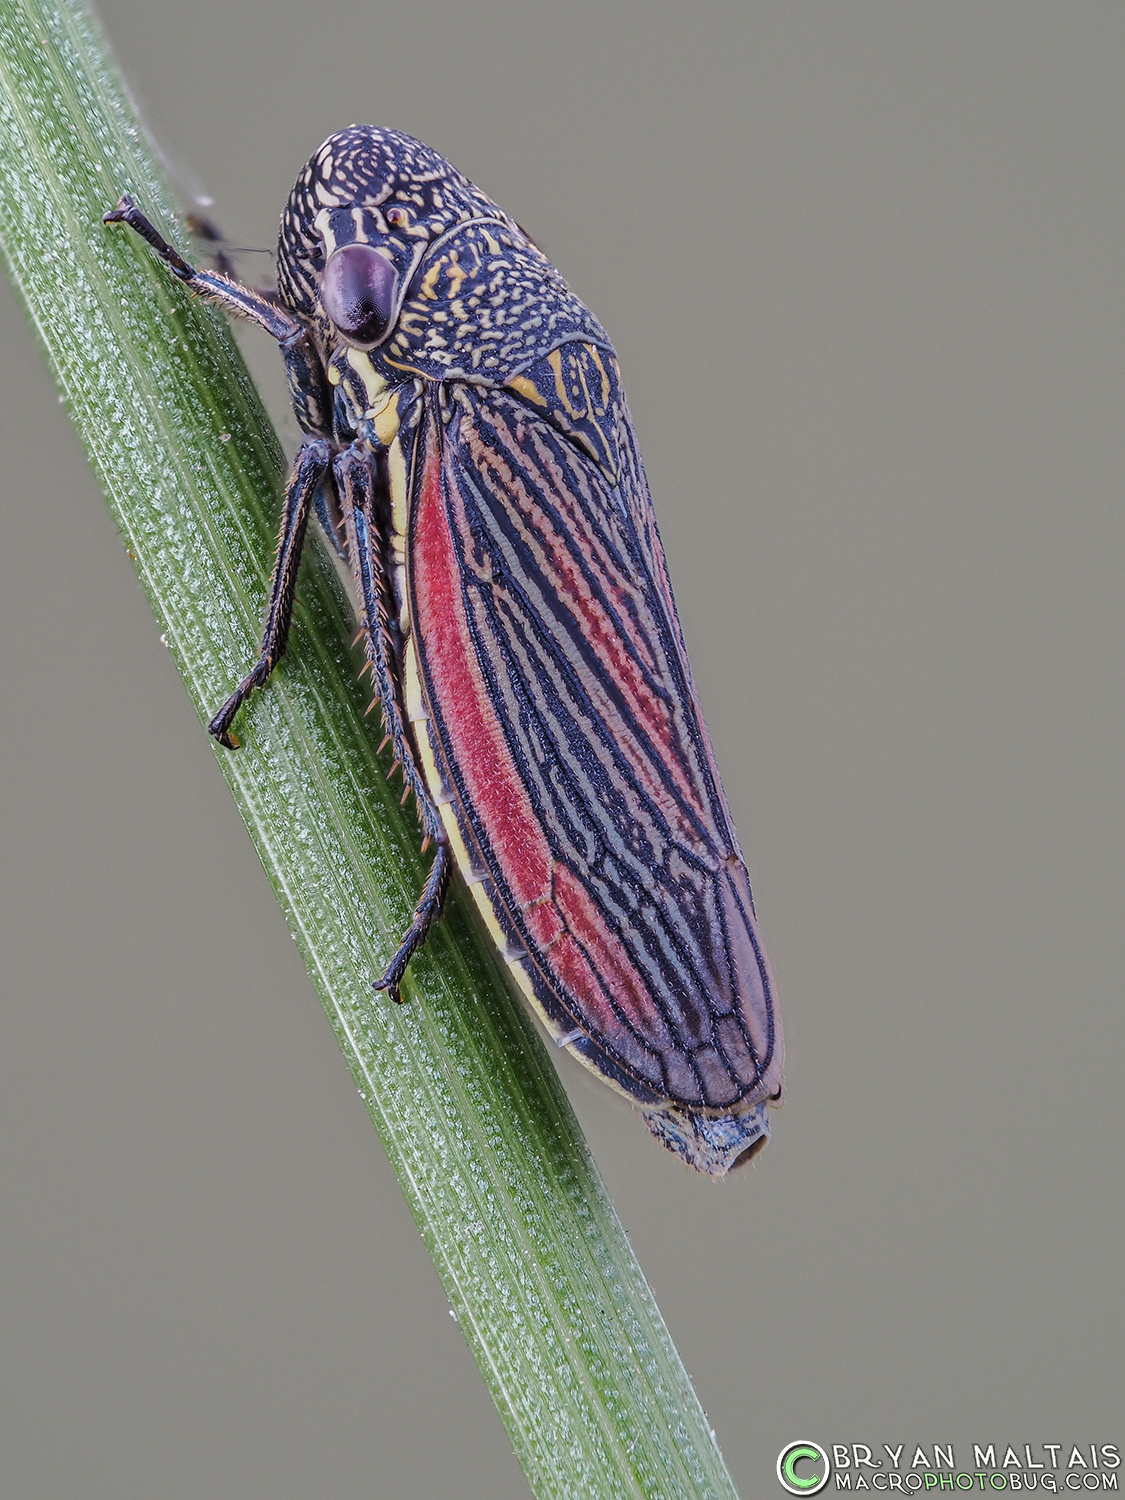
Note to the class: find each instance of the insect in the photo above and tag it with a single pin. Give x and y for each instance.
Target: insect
(469, 453)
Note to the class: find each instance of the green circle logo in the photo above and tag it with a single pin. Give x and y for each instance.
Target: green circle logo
(810, 1456)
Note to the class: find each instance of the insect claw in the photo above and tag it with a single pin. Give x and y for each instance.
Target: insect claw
(389, 987)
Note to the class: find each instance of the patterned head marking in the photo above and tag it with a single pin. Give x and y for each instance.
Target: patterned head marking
(369, 186)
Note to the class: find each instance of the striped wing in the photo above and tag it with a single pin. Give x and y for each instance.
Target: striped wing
(564, 723)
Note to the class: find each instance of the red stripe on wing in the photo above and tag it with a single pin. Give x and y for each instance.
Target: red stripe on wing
(560, 917)
(482, 759)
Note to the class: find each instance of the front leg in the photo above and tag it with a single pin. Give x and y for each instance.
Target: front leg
(312, 401)
(314, 460)
(222, 290)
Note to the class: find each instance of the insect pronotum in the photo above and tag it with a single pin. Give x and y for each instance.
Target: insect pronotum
(469, 453)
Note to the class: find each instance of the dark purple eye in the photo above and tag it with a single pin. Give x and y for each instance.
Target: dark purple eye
(358, 292)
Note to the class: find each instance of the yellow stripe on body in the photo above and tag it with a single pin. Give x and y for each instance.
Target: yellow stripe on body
(429, 282)
(386, 422)
(400, 509)
(524, 387)
(400, 519)
(374, 386)
(415, 703)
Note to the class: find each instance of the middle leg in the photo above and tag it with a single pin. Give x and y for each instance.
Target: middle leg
(355, 483)
(313, 461)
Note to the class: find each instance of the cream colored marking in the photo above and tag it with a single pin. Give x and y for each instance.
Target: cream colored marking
(485, 907)
(554, 360)
(335, 374)
(396, 465)
(321, 225)
(380, 405)
(429, 766)
(582, 369)
(415, 703)
(386, 422)
(471, 877)
(527, 989)
(360, 231)
(324, 196)
(524, 387)
(400, 595)
(426, 290)
(373, 383)
(457, 274)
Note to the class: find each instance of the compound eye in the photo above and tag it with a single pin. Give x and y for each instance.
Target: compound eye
(358, 292)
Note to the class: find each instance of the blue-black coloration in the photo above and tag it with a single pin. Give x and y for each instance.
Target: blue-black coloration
(470, 453)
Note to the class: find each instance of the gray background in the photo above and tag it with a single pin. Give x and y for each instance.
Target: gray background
(862, 263)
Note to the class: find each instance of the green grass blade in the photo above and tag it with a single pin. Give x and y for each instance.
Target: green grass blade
(457, 1081)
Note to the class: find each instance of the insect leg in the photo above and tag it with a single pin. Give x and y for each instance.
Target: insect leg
(308, 388)
(355, 481)
(222, 290)
(429, 906)
(313, 460)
